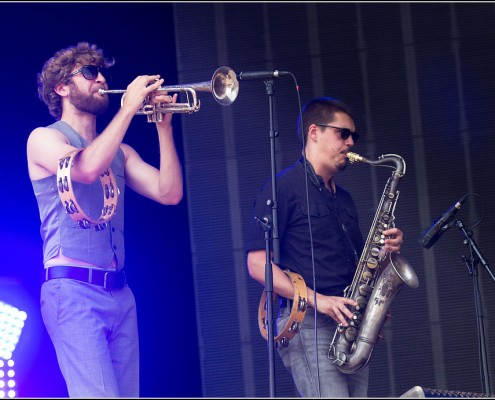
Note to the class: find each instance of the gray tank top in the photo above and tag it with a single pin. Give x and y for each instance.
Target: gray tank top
(60, 232)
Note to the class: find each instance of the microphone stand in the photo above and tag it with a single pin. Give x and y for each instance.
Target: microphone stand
(271, 225)
(472, 263)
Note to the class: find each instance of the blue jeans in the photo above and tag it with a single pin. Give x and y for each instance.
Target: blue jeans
(95, 335)
(299, 359)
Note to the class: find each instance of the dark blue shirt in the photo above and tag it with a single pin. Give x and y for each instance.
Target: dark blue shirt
(337, 239)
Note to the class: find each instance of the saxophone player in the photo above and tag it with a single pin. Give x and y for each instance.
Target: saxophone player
(327, 133)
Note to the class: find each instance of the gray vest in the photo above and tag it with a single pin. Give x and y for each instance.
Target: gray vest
(59, 231)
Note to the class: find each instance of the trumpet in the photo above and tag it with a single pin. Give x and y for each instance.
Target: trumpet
(223, 86)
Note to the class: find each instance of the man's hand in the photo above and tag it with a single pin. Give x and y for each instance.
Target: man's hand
(139, 89)
(395, 240)
(336, 307)
(164, 98)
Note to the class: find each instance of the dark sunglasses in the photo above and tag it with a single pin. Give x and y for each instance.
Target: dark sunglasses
(90, 72)
(344, 132)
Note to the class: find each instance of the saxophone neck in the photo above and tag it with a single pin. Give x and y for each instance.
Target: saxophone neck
(383, 160)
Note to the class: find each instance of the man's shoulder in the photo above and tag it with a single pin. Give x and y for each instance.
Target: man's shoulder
(292, 171)
(42, 132)
(284, 175)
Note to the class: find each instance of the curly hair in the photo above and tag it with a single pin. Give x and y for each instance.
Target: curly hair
(320, 110)
(57, 69)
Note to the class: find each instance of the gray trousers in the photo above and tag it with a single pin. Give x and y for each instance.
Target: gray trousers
(95, 335)
(299, 358)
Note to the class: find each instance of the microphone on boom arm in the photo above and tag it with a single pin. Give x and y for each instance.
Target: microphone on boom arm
(440, 225)
(257, 75)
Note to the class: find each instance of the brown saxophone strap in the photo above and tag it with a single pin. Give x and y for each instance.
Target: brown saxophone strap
(298, 311)
(68, 197)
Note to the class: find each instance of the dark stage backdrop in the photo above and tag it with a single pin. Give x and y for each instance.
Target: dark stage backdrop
(141, 38)
(420, 77)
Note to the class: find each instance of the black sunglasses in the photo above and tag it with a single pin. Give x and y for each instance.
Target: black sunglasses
(90, 72)
(344, 132)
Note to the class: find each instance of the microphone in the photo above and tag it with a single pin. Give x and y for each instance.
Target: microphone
(440, 225)
(249, 76)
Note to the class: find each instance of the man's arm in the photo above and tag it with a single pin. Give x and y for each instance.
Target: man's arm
(333, 306)
(164, 185)
(45, 146)
(256, 262)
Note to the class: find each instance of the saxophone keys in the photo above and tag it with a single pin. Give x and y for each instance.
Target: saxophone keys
(340, 359)
(375, 251)
(361, 302)
(366, 276)
(371, 263)
(351, 334)
(365, 290)
(356, 319)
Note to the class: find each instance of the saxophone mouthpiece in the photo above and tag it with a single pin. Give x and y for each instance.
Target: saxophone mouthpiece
(354, 157)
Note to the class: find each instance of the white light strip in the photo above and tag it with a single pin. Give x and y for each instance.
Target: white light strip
(11, 324)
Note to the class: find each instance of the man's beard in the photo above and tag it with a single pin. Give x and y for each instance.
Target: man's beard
(87, 103)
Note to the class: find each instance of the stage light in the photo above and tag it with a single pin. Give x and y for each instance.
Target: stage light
(7, 383)
(11, 323)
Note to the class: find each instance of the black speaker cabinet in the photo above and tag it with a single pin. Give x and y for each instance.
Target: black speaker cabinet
(422, 392)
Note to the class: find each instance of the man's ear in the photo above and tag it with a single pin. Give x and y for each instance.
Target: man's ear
(61, 89)
(313, 132)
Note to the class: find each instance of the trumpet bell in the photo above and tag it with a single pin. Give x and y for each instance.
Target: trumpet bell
(225, 86)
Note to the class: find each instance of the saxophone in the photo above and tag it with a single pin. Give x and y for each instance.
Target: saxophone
(377, 280)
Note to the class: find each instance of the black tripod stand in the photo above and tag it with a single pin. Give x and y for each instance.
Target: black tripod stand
(472, 264)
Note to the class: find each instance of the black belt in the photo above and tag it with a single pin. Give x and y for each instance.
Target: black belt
(110, 280)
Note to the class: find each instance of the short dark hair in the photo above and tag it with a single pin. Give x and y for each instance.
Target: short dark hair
(319, 110)
(57, 69)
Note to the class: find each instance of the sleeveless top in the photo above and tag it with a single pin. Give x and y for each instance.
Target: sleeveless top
(60, 232)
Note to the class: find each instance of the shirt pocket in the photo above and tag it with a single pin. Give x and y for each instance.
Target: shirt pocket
(324, 221)
(316, 210)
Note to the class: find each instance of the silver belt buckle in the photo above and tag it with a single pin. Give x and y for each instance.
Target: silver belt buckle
(111, 279)
(105, 279)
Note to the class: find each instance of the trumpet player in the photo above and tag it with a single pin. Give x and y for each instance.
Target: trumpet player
(328, 234)
(87, 306)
